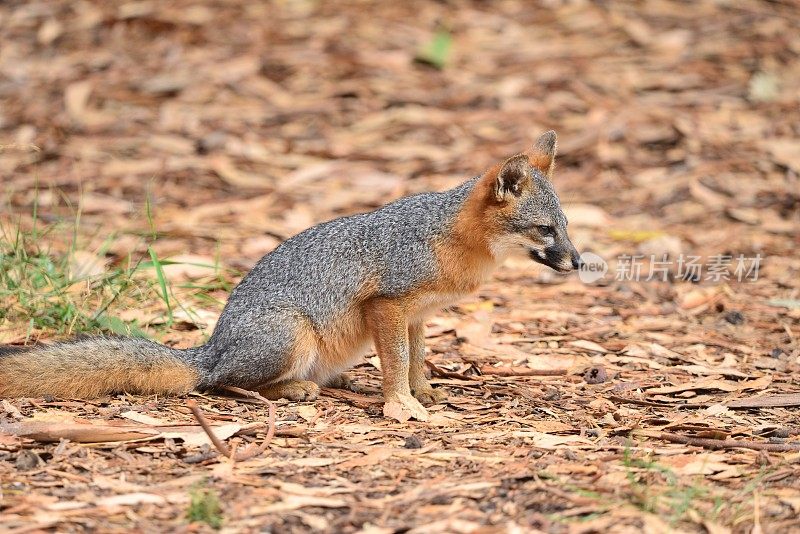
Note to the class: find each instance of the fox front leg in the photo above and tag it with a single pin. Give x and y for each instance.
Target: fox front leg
(390, 332)
(420, 387)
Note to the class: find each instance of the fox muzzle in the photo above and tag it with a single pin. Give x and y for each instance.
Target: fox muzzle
(557, 258)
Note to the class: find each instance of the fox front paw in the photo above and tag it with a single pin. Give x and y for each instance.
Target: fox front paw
(428, 396)
(404, 407)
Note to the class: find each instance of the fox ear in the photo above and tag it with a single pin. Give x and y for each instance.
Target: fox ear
(543, 154)
(511, 177)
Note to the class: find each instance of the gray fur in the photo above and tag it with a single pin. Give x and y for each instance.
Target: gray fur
(7, 350)
(101, 352)
(316, 275)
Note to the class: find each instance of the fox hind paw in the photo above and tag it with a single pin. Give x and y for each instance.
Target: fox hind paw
(342, 382)
(293, 390)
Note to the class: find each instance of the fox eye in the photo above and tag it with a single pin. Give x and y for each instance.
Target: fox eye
(545, 229)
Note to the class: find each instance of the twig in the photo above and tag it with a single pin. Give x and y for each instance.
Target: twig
(444, 373)
(252, 452)
(320, 413)
(27, 147)
(280, 432)
(249, 452)
(247, 393)
(358, 400)
(219, 445)
(617, 398)
(711, 443)
(521, 371)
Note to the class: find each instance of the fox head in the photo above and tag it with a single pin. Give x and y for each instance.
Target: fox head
(525, 209)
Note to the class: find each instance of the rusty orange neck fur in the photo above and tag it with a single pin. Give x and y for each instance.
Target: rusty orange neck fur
(465, 257)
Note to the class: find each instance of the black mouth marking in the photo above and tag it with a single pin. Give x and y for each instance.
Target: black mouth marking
(551, 258)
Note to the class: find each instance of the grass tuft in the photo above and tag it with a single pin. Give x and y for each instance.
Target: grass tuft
(204, 506)
(48, 291)
(51, 287)
(656, 489)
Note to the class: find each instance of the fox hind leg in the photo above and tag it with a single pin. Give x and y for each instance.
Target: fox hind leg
(274, 355)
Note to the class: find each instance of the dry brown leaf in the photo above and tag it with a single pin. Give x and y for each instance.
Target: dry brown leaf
(712, 384)
(549, 441)
(551, 427)
(295, 502)
(476, 328)
(402, 413)
(699, 464)
(75, 98)
(131, 499)
(143, 418)
(194, 436)
(49, 432)
(587, 345)
(226, 170)
(307, 412)
(571, 469)
(698, 297)
(697, 369)
(443, 418)
(785, 151)
(766, 401)
(87, 432)
(373, 457)
(95, 203)
(10, 410)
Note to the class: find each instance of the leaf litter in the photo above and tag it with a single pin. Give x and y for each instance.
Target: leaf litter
(221, 129)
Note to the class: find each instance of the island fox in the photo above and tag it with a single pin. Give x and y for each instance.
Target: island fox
(308, 310)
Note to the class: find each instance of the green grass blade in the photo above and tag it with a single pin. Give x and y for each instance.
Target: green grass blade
(162, 281)
(437, 51)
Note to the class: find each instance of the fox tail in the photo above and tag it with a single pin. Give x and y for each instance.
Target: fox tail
(96, 366)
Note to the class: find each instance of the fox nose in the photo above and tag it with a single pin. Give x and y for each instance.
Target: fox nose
(577, 262)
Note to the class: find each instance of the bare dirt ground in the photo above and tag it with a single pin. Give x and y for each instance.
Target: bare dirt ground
(617, 406)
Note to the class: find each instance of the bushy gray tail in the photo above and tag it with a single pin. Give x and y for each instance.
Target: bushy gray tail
(91, 367)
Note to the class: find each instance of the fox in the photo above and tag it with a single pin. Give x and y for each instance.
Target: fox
(308, 310)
